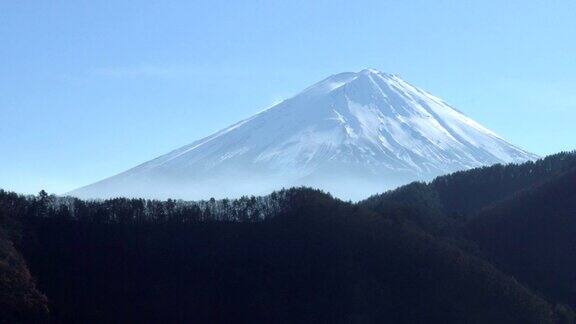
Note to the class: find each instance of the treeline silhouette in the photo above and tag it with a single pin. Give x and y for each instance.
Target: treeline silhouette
(490, 245)
(445, 204)
(127, 210)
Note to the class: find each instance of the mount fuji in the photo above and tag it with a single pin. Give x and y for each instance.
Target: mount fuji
(353, 134)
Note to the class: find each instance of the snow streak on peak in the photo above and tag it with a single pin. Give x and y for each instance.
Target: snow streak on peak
(353, 134)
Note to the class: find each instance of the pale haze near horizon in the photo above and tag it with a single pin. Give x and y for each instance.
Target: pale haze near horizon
(90, 90)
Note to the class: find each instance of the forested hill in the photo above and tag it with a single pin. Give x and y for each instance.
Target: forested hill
(521, 218)
(296, 256)
(450, 200)
(532, 235)
(20, 300)
(490, 245)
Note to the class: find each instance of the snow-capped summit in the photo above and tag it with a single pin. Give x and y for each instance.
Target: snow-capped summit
(353, 134)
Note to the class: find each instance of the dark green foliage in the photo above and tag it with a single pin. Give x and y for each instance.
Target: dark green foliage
(316, 260)
(466, 192)
(442, 252)
(418, 204)
(532, 235)
(521, 217)
(20, 301)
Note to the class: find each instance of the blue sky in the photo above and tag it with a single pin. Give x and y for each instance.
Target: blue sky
(91, 88)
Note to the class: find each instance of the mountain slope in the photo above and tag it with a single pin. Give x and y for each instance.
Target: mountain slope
(316, 259)
(352, 134)
(455, 198)
(533, 236)
(522, 218)
(20, 300)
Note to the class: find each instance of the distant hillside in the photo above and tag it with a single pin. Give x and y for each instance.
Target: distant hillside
(532, 235)
(520, 217)
(456, 197)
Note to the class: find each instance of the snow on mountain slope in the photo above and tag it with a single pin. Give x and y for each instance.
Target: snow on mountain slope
(352, 134)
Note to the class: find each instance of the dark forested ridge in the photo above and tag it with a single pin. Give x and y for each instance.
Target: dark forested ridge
(466, 192)
(532, 235)
(19, 298)
(490, 245)
(445, 205)
(316, 259)
(522, 218)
